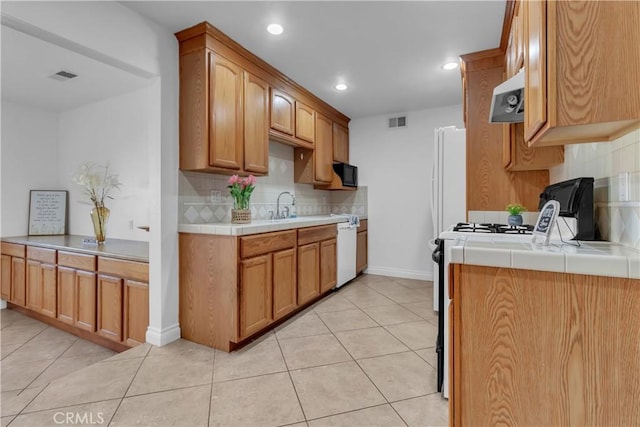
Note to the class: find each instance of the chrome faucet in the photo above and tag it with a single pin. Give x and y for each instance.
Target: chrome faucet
(285, 213)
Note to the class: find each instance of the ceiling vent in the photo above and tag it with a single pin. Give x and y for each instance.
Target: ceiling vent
(397, 122)
(63, 76)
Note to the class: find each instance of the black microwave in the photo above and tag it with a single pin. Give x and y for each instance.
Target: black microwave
(347, 173)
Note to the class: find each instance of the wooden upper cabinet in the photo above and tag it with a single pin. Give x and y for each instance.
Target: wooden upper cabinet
(226, 121)
(581, 61)
(340, 143)
(282, 112)
(256, 124)
(518, 156)
(323, 153)
(305, 122)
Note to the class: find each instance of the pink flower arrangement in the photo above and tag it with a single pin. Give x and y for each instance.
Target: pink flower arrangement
(241, 189)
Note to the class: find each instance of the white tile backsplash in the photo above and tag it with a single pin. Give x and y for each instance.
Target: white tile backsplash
(197, 207)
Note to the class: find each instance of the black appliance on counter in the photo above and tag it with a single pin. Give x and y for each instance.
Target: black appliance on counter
(576, 201)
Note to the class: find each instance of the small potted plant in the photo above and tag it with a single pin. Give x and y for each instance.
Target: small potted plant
(515, 209)
(241, 189)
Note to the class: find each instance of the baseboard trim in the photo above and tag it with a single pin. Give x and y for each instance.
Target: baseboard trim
(159, 337)
(396, 272)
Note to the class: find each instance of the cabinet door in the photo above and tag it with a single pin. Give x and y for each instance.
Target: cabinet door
(256, 124)
(535, 98)
(136, 312)
(86, 302)
(282, 112)
(110, 307)
(340, 143)
(255, 294)
(67, 295)
(328, 267)
(226, 114)
(284, 283)
(361, 251)
(49, 290)
(34, 286)
(308, 272)
(5, 289)
(305, 122)
(323, 153)
(18, 281)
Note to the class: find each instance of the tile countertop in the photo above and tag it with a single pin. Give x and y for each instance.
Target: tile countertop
(131, 250)
(261, 226)
(592, 258)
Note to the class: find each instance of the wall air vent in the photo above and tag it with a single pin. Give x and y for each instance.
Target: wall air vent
(63, 76)
(397, 122)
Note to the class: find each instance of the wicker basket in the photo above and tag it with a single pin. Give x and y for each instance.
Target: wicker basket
(240, 216)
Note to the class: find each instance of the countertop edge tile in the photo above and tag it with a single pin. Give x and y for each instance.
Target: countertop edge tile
(259, 227)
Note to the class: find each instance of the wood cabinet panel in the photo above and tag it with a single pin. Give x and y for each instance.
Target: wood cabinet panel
(315, 234)
(110, 303)
(255, 294)
(18, 281)
(364, 225)
(136, 312)
(67, 295)
(33, 292)
(284, 283)
(43, 255)
(194, 111)
(256, 124)
(328, 265)
(259, 244)
(49, 290)
(323, 153)
(123, 268)
(5, 284)
(86, 301)
(362, 249)
(520, 157)
(305, 122)
(308, 272)
(535, 62)
(551, 343)
(226, 120)
(340, 143)
(14, 249)
(74, 260)
(282, 112)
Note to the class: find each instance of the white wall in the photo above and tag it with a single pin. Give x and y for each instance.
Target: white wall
(29, 162)
(395, 164)
(115, 130)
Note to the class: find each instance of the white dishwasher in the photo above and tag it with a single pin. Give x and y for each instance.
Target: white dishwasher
(346, 252)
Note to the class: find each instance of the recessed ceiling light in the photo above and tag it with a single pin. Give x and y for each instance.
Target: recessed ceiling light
(275, 29)
(450, 65)
(341, 86)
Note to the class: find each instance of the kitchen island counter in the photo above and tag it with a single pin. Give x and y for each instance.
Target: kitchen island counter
(596, 258)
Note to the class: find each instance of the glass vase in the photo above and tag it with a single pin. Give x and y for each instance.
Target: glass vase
(100, 217)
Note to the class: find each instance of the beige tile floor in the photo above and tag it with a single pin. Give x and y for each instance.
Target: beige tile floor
(363, 356)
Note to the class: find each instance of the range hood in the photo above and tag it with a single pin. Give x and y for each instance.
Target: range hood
(507, 104)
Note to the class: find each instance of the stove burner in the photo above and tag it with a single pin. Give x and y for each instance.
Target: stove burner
(493, 228)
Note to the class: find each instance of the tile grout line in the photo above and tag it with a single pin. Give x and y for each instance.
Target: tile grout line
(213, 368)
(128, 387)
(293, 384)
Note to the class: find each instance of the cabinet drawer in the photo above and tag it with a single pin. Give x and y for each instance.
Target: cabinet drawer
(79, 261)
(264, 243)
(316, 234)
(13, 249)
(363, 225)
(40, 254)
(122, 268)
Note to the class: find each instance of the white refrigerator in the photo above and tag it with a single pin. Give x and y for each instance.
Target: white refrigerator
(448, 185)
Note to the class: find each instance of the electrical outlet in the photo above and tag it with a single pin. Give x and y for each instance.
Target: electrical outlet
(216, 197)
(623, 187)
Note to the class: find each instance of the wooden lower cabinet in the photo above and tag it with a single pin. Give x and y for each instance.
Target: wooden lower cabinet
(18, 281)
(328, 265)
(308, 272)
(136, 312)
(41, 288)
(5, 281)
(255, 294)
(110, 303)
(77, 298)
(361, 251)
(285, 291)
(544, 348)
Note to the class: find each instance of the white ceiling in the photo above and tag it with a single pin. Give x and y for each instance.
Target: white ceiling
(27, 63)
(388, 52)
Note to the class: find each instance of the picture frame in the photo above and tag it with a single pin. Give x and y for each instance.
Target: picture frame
(48, 212)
